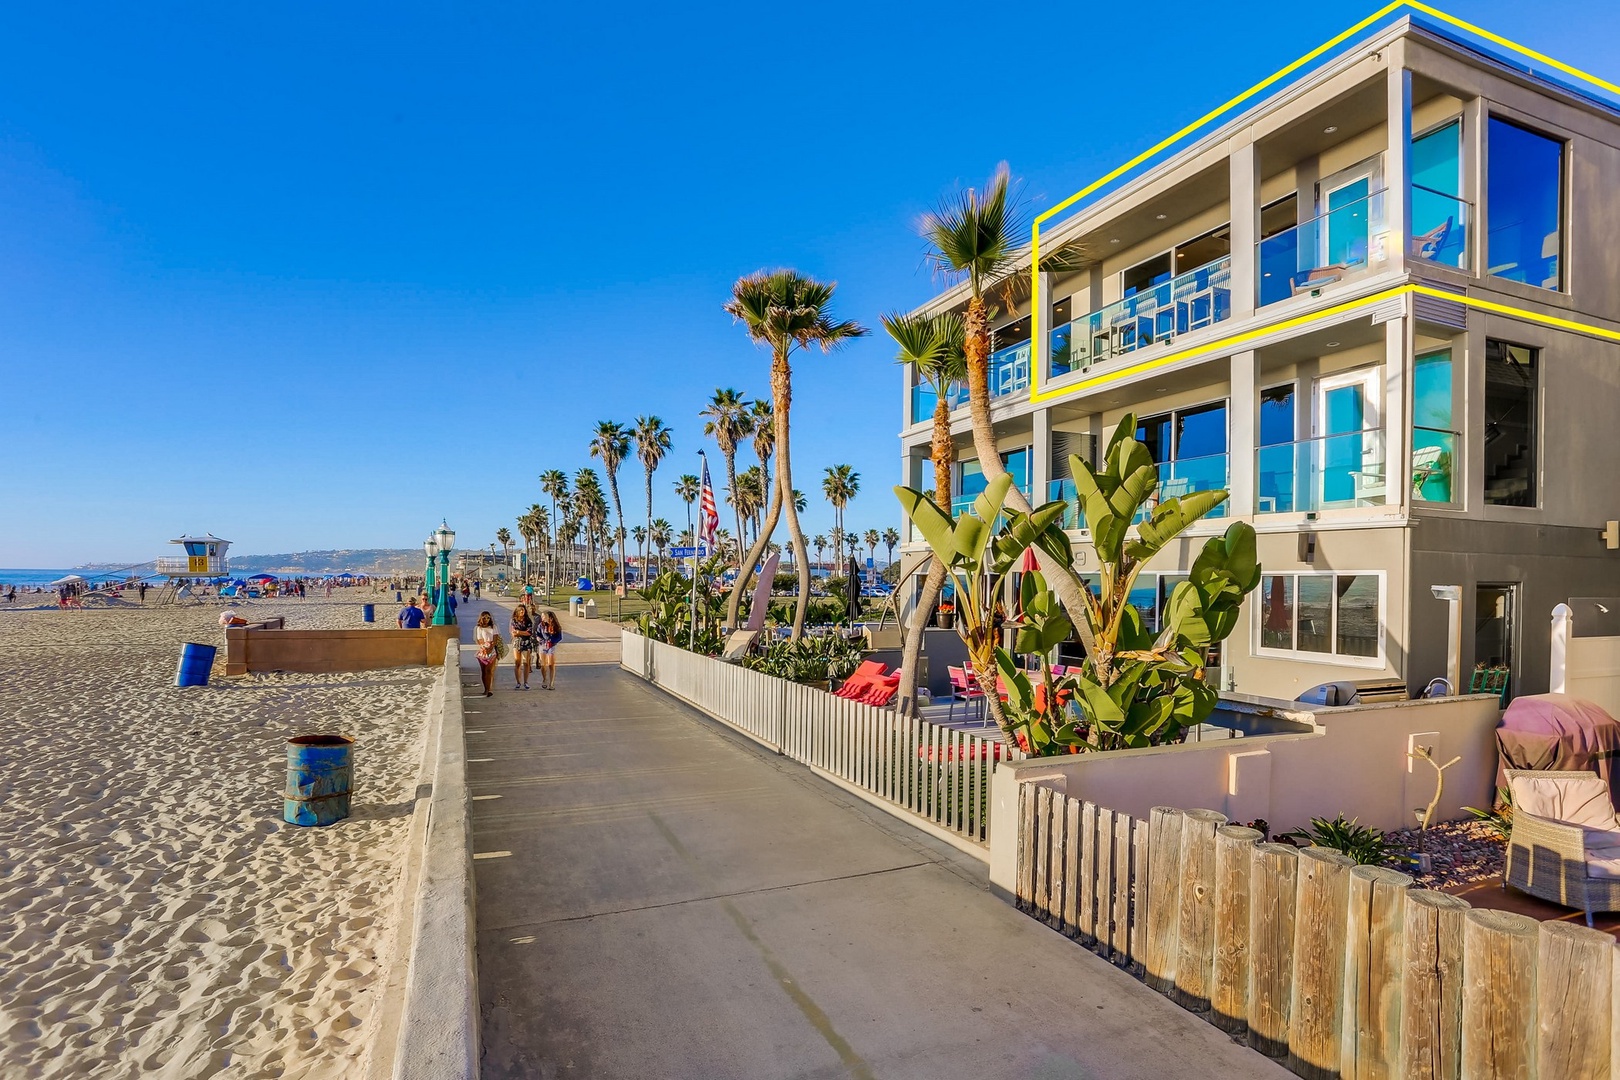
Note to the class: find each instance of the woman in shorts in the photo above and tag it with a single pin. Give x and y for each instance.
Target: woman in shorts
(523, 646)
(489, 650)
(549, 634)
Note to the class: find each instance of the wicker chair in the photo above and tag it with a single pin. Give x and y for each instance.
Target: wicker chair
(1548, 859)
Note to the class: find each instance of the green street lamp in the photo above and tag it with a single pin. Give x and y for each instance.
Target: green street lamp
(430, 547)
(445, 539)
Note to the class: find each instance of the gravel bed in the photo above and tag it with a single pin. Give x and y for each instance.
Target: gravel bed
(1462, 852)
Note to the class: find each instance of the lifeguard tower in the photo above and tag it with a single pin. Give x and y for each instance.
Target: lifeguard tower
(204, 558)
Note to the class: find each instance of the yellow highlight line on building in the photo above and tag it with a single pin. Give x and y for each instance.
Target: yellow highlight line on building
(1036, 395)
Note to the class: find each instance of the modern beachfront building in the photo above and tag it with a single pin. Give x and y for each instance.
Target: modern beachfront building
(1382, 308)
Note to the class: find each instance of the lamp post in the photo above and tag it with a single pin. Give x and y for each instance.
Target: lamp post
(430, 547)
(445, 537)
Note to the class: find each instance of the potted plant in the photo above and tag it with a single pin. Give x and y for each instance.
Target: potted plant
(945, 615)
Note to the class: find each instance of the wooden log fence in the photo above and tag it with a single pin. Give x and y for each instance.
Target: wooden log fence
(936, 773)
(1336, 970)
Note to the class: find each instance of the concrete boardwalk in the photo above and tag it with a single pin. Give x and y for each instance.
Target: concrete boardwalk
(660, 898)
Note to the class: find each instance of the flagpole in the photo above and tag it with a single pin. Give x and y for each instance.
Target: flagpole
(691, 643)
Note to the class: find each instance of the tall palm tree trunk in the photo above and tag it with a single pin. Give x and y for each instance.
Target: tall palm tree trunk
(782, 393)
(736, 496)
(943, 452)
(618, 512)
(649, 524)
(1060, 579)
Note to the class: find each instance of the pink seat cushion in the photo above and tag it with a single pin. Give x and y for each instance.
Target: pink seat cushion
(1584, 802)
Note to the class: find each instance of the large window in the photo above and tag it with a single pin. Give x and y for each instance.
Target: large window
(1189, 447)
(1511, 428)
(1524, 191)
(1439, 216)
(1323, 614)
(1434, 442)
(1275, 482)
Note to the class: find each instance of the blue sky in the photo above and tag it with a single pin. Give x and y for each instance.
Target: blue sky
(320, 275)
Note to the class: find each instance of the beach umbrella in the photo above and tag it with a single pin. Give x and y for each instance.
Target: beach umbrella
(71, 579)
(263, 577)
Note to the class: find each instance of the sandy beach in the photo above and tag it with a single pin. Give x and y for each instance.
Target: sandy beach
(157, 917)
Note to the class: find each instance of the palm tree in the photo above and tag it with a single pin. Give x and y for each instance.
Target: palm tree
(639, 535)
(837, 545)
(503, 537)
(763, 417)
(934, 346)
(554, 482)
(611, 443)
(749, 497)
(687, 489)
(660, 537)
(653, 441)
(975, 237)
(820, 544)
(872, 538)
(840, 484)
(784, 310)
(729, 422)
(525, 526)
(590, 507)
(891, 540)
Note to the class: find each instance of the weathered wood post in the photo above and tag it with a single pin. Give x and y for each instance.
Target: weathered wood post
(1372, 974)
(1574, 973)
(1164, 898)
(1195, 931)
(1273, 890)
(1229, 995)
(1431, 986)
(1316, 1010)
(1499, 994)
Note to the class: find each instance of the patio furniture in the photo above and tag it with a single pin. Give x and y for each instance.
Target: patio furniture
(963, 688)
(1311, 280)
(862, 680)
(1564, 842)
(1428, 245)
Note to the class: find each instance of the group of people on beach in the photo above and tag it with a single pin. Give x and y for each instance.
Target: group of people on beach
(535, 637)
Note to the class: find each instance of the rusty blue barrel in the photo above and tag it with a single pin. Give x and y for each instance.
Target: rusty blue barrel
(368, 612)
(196, 661)
(320, 773)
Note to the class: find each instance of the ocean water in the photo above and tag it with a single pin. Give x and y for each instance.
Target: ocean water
(35, 576)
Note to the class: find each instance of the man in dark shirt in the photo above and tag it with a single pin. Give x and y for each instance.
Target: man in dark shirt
(411, 617)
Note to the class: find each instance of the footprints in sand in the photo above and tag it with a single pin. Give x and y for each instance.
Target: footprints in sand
(156, 916)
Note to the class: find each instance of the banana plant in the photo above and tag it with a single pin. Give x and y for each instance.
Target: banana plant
(1137, 688)
(977, 557)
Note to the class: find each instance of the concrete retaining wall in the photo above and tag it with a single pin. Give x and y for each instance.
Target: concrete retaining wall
(251, 648)
(439, 1023)
(1354, 762)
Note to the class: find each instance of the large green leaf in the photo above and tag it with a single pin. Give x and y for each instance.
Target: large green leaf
(990, 501)
(937, 529)
(1168, 520)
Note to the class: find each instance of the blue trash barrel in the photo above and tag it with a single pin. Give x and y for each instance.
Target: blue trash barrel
(368, 612)
(399, 597)
(320, 772)
(195, 663)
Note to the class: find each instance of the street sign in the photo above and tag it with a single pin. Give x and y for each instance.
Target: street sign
(869, 563)
(700, 551)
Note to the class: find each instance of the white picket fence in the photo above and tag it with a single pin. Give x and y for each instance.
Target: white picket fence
(939, 774)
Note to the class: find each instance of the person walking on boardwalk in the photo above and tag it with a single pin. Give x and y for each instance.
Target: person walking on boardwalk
(549, 634)
(489, 650)
(410, 616)
(522, 646)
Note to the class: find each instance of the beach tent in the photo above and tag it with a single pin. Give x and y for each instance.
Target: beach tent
(71, 579)
(1557, 731)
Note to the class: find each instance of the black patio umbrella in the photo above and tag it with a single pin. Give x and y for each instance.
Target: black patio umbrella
(852, 589)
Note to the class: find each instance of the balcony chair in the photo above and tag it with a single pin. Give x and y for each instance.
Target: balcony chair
(862, 680)
(1311, 280)
(963, 688)
(1564, 842)
(1430, 244)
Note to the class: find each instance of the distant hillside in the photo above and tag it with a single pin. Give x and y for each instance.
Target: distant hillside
(354, 560)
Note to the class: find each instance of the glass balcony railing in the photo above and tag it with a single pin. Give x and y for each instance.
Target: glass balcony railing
(923, 399)
(1187, 475)
(1317, 253)
(1325, 473)
(1009, 370)
(1074, 516)
(1190, 301)
(1440, 227)
(1009, 373)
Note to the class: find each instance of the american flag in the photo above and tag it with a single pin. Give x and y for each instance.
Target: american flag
(708, 515)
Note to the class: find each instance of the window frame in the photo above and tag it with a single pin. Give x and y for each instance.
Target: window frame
(1331, 659)
(1537, 417)
(1485, 211)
